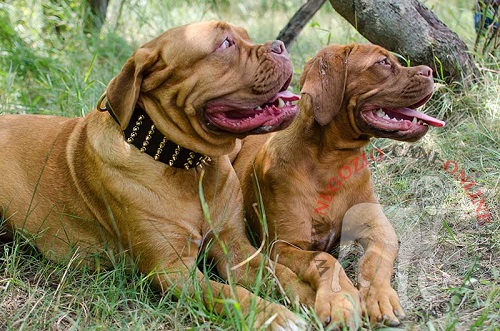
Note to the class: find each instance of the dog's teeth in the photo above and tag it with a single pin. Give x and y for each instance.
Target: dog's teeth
(420, 122)
(414, 120)
(380, 112)
(258, 108)
(386, 117)
(281, 103)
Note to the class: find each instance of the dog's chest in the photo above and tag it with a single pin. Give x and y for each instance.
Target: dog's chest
(325, 235)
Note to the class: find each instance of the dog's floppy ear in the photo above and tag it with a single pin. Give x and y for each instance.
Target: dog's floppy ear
(324, 79)
(123, 90)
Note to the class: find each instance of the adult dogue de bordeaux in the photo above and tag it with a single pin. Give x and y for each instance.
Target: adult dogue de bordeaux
(124, 181)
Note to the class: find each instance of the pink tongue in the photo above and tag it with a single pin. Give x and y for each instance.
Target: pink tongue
(289, 96)
(421, 116)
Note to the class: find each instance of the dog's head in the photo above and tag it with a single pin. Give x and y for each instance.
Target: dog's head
(365, 88)
(205, 84)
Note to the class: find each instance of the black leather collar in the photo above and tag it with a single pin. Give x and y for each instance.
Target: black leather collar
(143, 134)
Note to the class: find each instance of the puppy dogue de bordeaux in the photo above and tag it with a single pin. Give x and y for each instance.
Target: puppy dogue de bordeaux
(350, 94)
(124, 179)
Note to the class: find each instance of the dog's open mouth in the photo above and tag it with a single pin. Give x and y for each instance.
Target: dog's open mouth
(392, 119)
(275, 114)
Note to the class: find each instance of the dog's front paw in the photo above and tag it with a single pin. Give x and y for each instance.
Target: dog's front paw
(382, 305)
(296, 290)
(339, 308)
(275, 317)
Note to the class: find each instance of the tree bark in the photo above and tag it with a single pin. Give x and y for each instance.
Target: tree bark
(299, 21)
(96, 17)
(407, 27)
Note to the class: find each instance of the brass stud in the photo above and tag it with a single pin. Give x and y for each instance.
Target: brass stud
(174, 156)
(160, 149)
(145, 143)
(138, 123)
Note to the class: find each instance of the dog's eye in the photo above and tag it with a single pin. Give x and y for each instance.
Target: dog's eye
(226, 44)
(384, 62)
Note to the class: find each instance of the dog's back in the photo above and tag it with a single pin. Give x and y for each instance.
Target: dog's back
(36, 187)
(30, 146)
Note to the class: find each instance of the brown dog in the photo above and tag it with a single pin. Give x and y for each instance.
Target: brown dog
(315, 183)
(126, 180)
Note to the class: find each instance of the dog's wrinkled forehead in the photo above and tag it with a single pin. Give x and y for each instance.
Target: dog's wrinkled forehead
(214, 33)
(367, 55)
(200, 39)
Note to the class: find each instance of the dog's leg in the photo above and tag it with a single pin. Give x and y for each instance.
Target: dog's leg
(172, 261)
(243, 262)
(219, 297)
(367, 223)
(337, 300)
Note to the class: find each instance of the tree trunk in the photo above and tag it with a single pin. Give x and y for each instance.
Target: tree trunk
(96, 16)
(407, 27)
(299, 21)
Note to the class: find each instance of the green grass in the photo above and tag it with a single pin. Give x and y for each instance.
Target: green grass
(448, 270)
